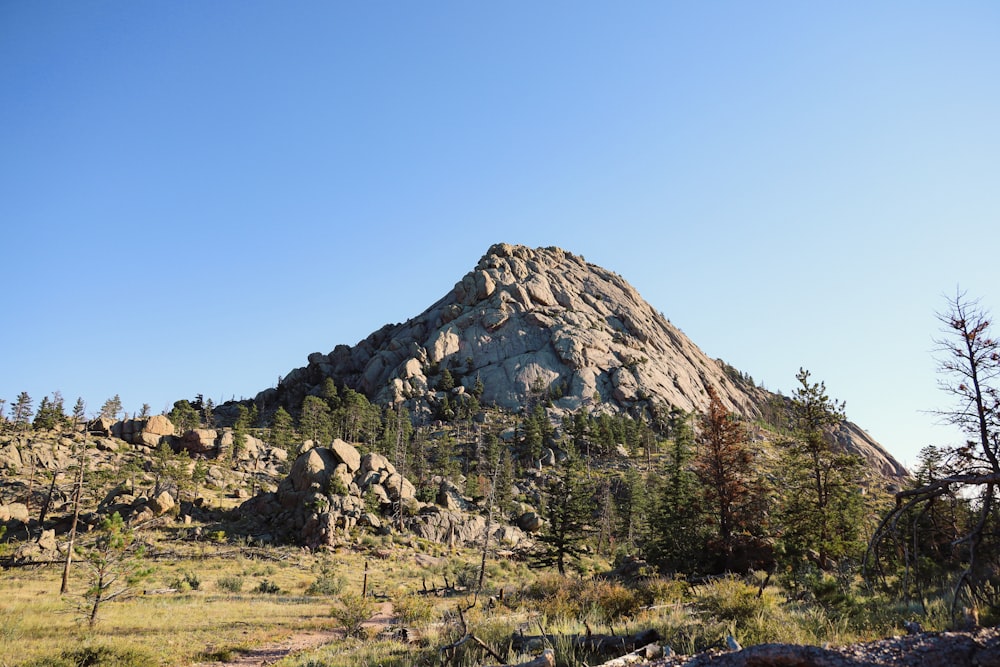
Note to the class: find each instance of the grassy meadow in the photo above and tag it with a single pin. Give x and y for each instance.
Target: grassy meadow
(205, 603)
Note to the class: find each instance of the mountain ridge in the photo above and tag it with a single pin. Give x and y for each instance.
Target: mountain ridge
(542, 323)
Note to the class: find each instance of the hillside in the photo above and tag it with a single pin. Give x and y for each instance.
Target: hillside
(542, 323)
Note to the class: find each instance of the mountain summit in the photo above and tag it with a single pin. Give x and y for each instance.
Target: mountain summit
(526, 324)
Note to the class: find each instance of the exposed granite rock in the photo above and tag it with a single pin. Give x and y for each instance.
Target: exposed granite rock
(526, 321)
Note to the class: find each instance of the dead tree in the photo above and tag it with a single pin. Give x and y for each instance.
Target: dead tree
(969, 362)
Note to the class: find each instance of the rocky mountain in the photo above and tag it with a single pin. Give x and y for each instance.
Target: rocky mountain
(530, 323)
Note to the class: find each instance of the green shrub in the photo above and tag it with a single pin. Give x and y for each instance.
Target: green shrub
(187, 581)
(100, 655)
(413, 609)
(730, 599)
(267, 587)
(233, 584)
(608, 602)
(327, 583)
(351, 612)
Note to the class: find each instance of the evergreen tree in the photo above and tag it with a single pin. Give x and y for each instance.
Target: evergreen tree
(822, 511)
(504, 491)
(568, 504)
(79, 412)
(314, 419)
(725, 467)
(145, 412)
(633, 507)
(240, 427)
(678, 539)
(208, 414)
(184, 416)
(111, 408)
(447, 381)
(330, 394)
(45, 418)
(20, 414)
(254, 417)
(115, 563)
(445, 461)
(282, 433)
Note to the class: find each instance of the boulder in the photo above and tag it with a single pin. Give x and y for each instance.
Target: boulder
(107, 445)
(398, 487)
(450, 497)
(347, 454)
(548, 457)
(47, 541)
(379, 492)
(158, 425)
(530, 522)
(313, 467)
(14, 512)
(199, 441)
(376, 463)
(162, 503)
(103, 426)
(10, 457)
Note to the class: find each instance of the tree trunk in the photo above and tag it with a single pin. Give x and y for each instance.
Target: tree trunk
(78, 492)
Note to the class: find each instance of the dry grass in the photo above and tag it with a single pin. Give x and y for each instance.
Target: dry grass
(38, 625)
(205, 622)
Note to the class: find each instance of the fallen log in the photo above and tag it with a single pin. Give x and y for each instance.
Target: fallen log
(450, 652)
(546, 659)
(596, 644)
(644, 654)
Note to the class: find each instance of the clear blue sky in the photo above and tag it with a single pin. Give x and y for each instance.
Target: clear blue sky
(196, 195)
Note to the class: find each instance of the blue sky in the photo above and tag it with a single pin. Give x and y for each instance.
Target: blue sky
(194, 196)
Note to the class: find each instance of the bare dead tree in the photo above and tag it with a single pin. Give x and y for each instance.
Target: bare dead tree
(969, 363)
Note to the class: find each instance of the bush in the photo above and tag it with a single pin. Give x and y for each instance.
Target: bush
(232, 584)
(327, 583)
(267, 587)
(413, 609)
(608, 602)
(100, 655)
(352, 612)
(187, 581)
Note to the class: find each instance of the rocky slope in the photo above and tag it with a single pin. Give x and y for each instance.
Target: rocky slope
(541, 322)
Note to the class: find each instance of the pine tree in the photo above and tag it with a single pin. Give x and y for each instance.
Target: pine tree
(20, 414)
(240, 427)
(44, 418)
(115, 563)
(111, 408)
(208, 414)
(447, 381)
(822, 511)
(568, 504)
(314, 419)
(184, 416)
(725, 467)
(678, 536)
(79, 412)
(282, 433)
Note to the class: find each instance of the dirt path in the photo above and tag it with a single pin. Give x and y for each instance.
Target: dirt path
(301, 641)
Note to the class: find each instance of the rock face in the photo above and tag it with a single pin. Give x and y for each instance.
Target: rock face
(312, 509)
(527, 322)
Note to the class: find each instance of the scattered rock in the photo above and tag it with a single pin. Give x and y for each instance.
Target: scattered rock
(162, 503)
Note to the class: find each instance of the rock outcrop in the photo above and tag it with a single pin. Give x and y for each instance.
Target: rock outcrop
(330, 491)
(527, 323)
